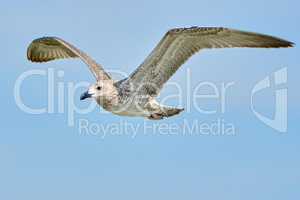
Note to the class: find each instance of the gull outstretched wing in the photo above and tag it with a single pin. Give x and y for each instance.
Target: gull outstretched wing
(179, 44)
(50, 48)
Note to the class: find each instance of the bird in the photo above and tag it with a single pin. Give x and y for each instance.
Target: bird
(136, 94)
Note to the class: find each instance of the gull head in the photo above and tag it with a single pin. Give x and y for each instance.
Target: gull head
(101, 89)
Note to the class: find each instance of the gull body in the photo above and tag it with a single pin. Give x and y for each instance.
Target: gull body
(135, 95)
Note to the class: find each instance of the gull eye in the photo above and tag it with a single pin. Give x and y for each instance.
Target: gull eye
(98, 88)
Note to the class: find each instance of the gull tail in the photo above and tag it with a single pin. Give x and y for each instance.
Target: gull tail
(165, 112)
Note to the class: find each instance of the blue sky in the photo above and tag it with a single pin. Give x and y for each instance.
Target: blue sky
(42, 157)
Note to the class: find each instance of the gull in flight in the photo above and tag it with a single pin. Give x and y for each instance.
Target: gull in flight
(135, 95)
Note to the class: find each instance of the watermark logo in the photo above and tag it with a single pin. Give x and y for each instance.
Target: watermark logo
(279, 121)
(206, 97)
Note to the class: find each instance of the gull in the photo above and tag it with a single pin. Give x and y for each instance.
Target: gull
(135, 95)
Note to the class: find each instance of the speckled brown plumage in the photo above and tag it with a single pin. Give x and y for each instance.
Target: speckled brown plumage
(179, 44)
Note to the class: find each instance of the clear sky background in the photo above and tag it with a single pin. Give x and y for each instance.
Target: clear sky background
(41, 157)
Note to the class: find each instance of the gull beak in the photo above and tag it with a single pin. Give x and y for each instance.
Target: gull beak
(85, 95)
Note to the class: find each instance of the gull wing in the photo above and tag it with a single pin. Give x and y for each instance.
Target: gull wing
(50, 48)
(179, 44)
